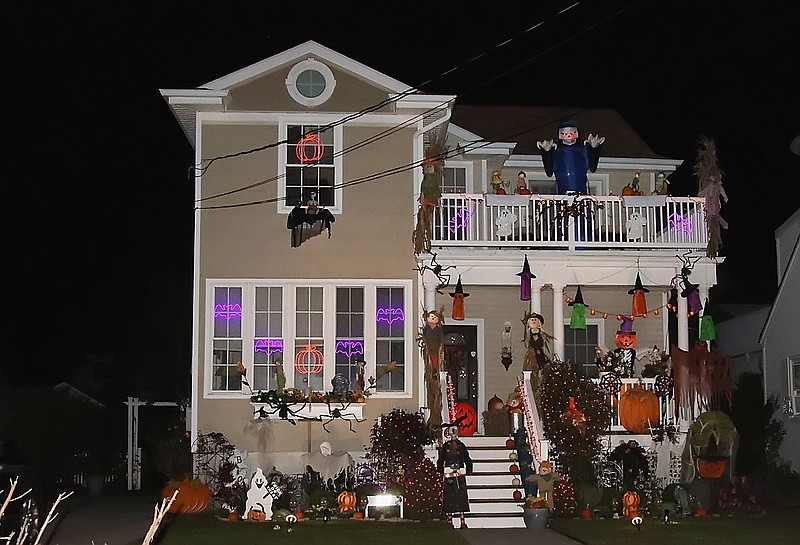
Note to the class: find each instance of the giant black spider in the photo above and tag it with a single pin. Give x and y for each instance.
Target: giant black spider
(283, 408)
(438, 270)
(338, 412)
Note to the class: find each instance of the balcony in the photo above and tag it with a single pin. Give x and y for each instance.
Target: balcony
(568, 222)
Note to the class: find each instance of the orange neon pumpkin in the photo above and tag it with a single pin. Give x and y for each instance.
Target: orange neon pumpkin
(469, 424)
(638, 409)
(309, 360)
(309, 149)
(346, 501)
(630, 502)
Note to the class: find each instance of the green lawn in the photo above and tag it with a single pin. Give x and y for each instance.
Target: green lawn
(778, 527)
(207, 529)
(781, 526)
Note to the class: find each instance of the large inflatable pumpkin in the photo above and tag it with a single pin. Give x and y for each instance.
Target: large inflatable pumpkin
(638, 409)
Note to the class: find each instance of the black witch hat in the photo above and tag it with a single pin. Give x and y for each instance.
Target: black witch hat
(459, 289)
(526, 269)
(578, 298)
(638, 286)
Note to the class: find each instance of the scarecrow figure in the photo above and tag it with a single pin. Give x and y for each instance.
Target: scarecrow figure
(545, 479)
(537, 354)
(430, 190)
(455, 464)
(522, 184)
(709, 176)
(570, 161)
(431, 341)
(497, 183)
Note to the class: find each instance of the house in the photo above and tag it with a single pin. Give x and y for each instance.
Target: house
(307, 188)
(781, 342)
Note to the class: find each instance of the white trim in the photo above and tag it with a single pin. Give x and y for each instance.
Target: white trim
(288, 330)
(316, 66)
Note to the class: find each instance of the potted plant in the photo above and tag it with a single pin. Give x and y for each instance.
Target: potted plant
(535, 512)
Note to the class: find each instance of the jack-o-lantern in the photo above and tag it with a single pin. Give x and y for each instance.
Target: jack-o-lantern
(256, 515)
(469, 423)
(711, 468)
(309, 360)
(638, 409)
(625, 340)
(347, 501)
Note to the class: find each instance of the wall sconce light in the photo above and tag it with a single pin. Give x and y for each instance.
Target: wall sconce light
(505, 351)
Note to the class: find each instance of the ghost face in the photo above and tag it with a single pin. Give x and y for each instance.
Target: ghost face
(568, 135)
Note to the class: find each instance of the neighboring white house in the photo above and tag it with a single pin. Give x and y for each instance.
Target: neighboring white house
(780, 339)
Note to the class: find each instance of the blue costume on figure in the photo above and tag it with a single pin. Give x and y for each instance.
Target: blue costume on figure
(570, 160)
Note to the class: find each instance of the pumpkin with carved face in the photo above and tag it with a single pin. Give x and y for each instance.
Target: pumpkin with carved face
(625, 340)
(469, 424)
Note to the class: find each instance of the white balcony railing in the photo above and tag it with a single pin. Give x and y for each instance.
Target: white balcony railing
(569, 221)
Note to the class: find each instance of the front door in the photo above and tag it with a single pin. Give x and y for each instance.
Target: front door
(461, 362)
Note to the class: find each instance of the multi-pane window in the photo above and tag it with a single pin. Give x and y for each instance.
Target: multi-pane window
(794, 385)
(579, 347)
(227, 339)
(268, 339)
(310, 170)
(350, 333)
(312, 330)
(309, 341)
(454, 179)
(390, 338)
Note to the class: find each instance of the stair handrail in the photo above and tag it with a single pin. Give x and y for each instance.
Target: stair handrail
(533, 423)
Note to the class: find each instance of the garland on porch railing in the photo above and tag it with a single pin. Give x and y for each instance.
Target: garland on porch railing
(533, 438)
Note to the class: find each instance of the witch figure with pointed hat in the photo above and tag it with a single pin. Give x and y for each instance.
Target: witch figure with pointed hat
(455, 464)
(458, 300)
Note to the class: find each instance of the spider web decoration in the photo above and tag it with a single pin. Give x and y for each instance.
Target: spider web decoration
(583, 206)
(611, 383)
(663, 385)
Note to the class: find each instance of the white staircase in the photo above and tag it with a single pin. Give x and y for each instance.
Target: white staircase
(489, 487)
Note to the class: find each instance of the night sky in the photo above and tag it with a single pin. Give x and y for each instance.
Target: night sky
(98, 216)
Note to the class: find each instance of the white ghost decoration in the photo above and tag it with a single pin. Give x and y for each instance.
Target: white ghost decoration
(258, 496)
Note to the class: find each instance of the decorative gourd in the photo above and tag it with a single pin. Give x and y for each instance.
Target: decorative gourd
(711, 468)
(638, 409)
(470, 422)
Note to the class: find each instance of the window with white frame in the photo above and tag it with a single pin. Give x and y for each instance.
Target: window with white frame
(226, 339)
(455, 178)
(794, 385)
(311, 167)
(579, 345)
(314, 330)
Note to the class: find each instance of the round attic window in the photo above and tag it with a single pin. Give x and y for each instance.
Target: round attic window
(310, 82)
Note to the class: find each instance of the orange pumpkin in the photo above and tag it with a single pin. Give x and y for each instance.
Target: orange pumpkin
(711, 468)
(638, 409)
(193, 495)
(256, 515)
(630, 502)
(300, 515)
(625, 340)
(629, 191)
(469, 424)
(358, 515)
(233, 516)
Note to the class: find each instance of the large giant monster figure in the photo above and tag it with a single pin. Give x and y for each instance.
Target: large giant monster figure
(569, 160)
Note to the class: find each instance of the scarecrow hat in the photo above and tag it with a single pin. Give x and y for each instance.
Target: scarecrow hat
(638, 286)
(526, 269)
(578, 298)
(529, 315)
(459, 289)
(626, 327)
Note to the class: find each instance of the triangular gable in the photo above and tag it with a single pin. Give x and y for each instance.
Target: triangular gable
(318, 51)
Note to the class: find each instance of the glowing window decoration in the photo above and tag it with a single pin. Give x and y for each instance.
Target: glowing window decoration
(269, 346)
(680, 224)
(309, 361)
(390, 315)
(309, 149)
(350, 348)
(228, 311)
(460, 220)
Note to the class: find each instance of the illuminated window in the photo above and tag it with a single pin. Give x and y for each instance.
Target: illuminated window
(310, 82)
(227, 339)
(316, 329)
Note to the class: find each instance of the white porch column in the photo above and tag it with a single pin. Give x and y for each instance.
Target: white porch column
(558, 320)
(429, 287)
(536, 298)
(683, 323)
